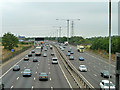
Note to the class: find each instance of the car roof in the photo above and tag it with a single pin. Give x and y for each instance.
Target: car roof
(43, 73)
(82, 65)
(106, 81)
(27, 69)
(54, 58)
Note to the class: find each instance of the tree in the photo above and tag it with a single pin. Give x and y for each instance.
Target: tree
(9, 41)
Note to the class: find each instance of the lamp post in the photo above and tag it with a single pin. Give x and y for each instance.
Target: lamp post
(68, 20)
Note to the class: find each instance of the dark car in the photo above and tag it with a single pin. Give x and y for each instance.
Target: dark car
(35, 60)
(105, 74)
(16, 68)
(43, 76)
(37, 54)
(71, 58)
(33, 51)
(26, 58)
(1, 86)
(52, 54)
(81, 58)
(30, 55)
(71, 52)
(68, 54)
(27, 72)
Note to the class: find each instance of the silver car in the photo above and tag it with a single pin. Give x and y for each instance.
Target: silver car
(27, 72)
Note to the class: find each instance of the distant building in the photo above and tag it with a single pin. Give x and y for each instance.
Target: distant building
(21, 38)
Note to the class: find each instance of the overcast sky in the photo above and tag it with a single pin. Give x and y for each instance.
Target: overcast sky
(39, 18)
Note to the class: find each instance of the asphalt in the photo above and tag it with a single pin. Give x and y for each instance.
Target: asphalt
(15, 79)
(94, 64)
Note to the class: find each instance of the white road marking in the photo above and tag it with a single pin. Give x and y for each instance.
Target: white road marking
(50, 79)
(11, 86)
(32, 87)
(51, 88)
(17, 78)
(95, 75)
(100, 59)
(48, 64)
(49, 72)
(49, 68)
(38, 64)
(27, 63)
(21, 72)
(36, 72)
(11, 68)
(64, 75)
(24, 67)
(37, 67)
(34, 78)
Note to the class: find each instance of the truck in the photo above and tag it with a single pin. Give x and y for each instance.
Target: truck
(80, 48)
(66, 43)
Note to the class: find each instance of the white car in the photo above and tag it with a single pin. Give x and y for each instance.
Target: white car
(62, 49)
(54, 60)
(104, 85)
(82, 68)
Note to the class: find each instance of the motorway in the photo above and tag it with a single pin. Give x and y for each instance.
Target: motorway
(94, 64)
(15, 79)
(57, 79)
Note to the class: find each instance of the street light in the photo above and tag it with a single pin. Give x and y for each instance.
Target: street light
(68, 20)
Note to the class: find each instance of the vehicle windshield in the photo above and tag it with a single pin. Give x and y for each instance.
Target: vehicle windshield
(54, 59)
(107, 84)
(27, 70)
(106, 72)
(16, 66)
(83, 66)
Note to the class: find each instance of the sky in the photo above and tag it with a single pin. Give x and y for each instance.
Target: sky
(35, 18)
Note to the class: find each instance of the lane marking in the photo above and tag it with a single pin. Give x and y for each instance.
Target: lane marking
(38, 64)
(24, 67)
(48, 64)
(51, 88)
(64, 75)
(37, 67)
(32, 87)
(49, 72)
(17, 78)
(49, 68)
(27, 63)
(50, 79)
(11, 87)
(100, 59)
(36, 72)
(95, 75)
(11, 68)
(21, 72)
(34, 78)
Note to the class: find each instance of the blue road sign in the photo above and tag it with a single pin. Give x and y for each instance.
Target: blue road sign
(12, 50)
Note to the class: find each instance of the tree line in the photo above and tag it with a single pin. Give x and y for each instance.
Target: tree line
(97, 43)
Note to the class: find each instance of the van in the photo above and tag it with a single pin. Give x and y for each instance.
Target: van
(54, 60)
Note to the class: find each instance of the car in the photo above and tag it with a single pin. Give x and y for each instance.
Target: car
(71, 58)
(71, 52)
(54, 60)
(51, 47)
(43, 76)
(64, 46)
(33, 51)
(68, 54)
(62, 49)
(104, 85)
(45, 49)
(44, 55)
(30, 55)
(1, 85)
(70, 48)
(26, 58)
(105, 74)
(37, 54)
(16, 68)
(81, 58)
(27, 72)
(35, 60)
(52, 54)
(82, 68)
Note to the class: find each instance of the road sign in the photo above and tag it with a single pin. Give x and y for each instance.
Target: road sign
(12, 50)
